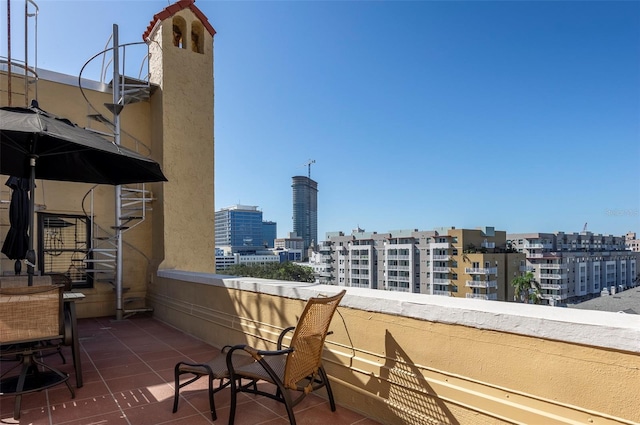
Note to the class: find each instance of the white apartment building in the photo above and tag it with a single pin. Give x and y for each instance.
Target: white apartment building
(428, 262)
(574, 266)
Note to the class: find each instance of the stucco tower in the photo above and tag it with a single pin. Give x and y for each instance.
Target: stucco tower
(180, 42)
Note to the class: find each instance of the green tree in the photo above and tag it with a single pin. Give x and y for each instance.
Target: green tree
(527, 289)
(277, 271)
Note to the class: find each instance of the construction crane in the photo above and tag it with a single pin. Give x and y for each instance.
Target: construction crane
(308, 164)
(584, 229)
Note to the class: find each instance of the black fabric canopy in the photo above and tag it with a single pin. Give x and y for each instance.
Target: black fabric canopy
(66, 152)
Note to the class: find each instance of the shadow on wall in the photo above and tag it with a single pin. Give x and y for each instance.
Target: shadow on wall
(408, 396)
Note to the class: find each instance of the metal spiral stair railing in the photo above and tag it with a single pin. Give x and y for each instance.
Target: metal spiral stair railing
(134, 202)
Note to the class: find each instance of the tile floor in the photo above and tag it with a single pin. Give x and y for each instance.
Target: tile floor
(128, 380)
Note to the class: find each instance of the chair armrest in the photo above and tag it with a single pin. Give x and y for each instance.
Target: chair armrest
(282, 334)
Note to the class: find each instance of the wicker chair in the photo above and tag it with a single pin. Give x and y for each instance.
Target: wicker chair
(297, 368)
(28, 316)
(214, 369)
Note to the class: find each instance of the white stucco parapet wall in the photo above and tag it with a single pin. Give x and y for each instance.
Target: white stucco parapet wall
(617, 331)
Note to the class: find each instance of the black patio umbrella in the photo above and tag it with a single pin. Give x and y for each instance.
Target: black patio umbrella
(38, 145)
(17, 241)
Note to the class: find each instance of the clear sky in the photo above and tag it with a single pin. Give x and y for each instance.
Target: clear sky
(520, 115)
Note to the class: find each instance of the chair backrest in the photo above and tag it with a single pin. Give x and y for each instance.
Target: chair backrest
(31, 313)
(308, 338)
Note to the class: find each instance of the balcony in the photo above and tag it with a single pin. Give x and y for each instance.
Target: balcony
(489, 245)
(380, 370)
(398, 267)
(481, 283)
(441, 293)
(128, 373)
(441, 257)
(538, 246)
(440, 245)
(488, 297)
(398, 257)
(553, 286)
(554, 276)
(359, 256)
(440, 281)
(440, 269)
(474, 270)
(553, 266)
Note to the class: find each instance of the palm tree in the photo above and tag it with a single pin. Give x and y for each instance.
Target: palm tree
(527, 289)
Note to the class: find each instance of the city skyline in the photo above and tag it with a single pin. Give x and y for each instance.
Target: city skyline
(517, 115)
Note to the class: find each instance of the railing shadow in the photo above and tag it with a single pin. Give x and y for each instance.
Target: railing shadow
(408, 396)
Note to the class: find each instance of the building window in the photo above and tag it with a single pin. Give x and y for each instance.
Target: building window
(64, 242)
(197, 37)
(179, 30)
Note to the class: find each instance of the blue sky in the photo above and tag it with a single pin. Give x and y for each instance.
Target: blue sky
(520, 115)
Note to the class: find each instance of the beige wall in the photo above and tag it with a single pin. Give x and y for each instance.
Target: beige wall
(183, 111)
(66, 100)
(400, 369)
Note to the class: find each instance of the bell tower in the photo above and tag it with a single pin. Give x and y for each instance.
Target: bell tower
(180, 40)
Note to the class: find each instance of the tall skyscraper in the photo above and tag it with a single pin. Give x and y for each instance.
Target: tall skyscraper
(305, 209)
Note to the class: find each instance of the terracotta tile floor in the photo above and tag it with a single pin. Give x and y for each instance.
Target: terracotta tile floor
(128, 380)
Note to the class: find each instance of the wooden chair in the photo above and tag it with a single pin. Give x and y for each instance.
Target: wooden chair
(29, 316)
(297, 368)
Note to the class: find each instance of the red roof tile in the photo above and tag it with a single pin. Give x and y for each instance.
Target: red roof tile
(171, 10)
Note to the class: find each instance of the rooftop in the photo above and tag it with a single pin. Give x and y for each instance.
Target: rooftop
(128, 379)
(624, 302)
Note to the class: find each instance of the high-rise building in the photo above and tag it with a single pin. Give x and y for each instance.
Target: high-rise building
(238, 229)
(269, 233)
(305, 209)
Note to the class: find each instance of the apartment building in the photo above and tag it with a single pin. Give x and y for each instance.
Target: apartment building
(451, 262)
(632, 243)
(291, 247)
(575, 266)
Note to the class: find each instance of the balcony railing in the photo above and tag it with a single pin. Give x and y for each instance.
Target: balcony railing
(538, 246)
(553, 266)
(398, 257)
(379, 364)
(481, 283)
(397, 267)
(442, 293)
(441, 257)
(554, 276)
(440, 281)
(553, 286)
(527, 268)
(440, 269)
(474, 270)
(492, 297)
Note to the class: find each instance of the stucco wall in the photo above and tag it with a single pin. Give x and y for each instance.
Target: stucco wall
(429, 359)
